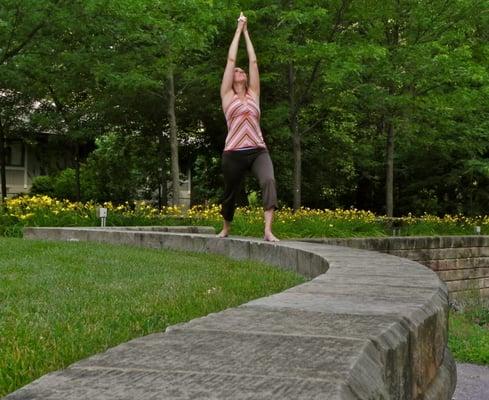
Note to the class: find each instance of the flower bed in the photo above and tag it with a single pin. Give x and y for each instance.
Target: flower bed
(305, 222)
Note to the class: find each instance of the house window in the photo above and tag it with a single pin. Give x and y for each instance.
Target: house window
(14, 155)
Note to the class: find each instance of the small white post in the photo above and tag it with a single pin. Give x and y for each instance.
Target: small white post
(102, 214)
(25, 166)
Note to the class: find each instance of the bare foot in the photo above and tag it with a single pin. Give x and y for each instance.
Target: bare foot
(224, 233)
(270, 237)
(225, 229)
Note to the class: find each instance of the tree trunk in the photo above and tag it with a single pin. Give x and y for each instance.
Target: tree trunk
(297, 183)
(162, 184)
(77, 171)
(296, 141)
(175, 171)
(3, 164)
(389, 181)
(392, 40)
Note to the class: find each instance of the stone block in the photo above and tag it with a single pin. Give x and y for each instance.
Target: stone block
(478, 262)
(275, 254)
(301, 357)
(189, 242)
(390, 339)
(402, 270)
(152, 239)
(253, 319)
(131, 384)
(443, 386)
(428, 341)
(218, 245)
(310, 264)
(442, 254)
(464, 285)
(462, 274)
(239, 249)
(359, 278)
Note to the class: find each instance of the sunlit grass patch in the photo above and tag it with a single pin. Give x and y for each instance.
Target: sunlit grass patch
(61, 302)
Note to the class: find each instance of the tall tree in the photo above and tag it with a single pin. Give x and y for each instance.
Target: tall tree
(157, 40)
(52, 45)
(423, 52)
(21, 25)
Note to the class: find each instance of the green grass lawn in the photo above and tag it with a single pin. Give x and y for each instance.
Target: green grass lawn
(61, 302)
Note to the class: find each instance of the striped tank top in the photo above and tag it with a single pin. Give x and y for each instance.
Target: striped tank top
(243, 120)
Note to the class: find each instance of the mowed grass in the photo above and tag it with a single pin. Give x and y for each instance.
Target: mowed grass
(63, 301)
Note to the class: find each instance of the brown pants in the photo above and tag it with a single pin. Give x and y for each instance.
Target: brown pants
(235, 164)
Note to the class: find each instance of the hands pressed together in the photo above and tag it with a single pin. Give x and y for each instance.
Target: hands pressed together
(242, 23)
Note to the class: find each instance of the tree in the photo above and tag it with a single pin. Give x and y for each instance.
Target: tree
(21, 24)
(156, 41)
(48, 56)
(423, 47)
(379, 105)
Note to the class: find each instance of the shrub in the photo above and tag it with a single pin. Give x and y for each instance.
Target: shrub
(65, 184)
(43, 184)
(61, 186)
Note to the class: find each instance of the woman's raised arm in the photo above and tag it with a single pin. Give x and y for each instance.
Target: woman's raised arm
(228, 77)
(253, 63)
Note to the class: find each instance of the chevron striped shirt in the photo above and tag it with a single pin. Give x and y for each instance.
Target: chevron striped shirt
(243, 120)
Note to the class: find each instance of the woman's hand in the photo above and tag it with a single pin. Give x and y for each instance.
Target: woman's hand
(242, 23)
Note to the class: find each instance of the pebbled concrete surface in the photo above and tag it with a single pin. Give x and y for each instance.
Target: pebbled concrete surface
(472, 382)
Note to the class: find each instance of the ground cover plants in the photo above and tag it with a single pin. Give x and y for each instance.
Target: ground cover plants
(305, 222)
(469, 329)
(61, 302)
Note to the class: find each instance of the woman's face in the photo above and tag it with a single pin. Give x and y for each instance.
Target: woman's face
(239, 75)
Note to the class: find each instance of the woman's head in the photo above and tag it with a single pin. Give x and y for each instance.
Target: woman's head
(240, 77)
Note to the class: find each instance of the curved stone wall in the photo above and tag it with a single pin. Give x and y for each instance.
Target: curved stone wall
(462, 262)
(366, 326)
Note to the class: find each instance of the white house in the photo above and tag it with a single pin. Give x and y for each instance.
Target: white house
(26, 159)
(21, 167)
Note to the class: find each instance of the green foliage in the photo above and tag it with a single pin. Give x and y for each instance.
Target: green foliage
(110, 172)
(92, 67)
(469, 329)
(117, 170)
(43, 184)
(468, 341)
(61, 185)
(65, 184)
(9, 226)
(207, 187)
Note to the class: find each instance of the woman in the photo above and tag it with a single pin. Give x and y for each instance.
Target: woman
(244, 149)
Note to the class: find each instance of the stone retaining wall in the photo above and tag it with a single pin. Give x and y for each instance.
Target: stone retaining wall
(366, 326)
(461, 261)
